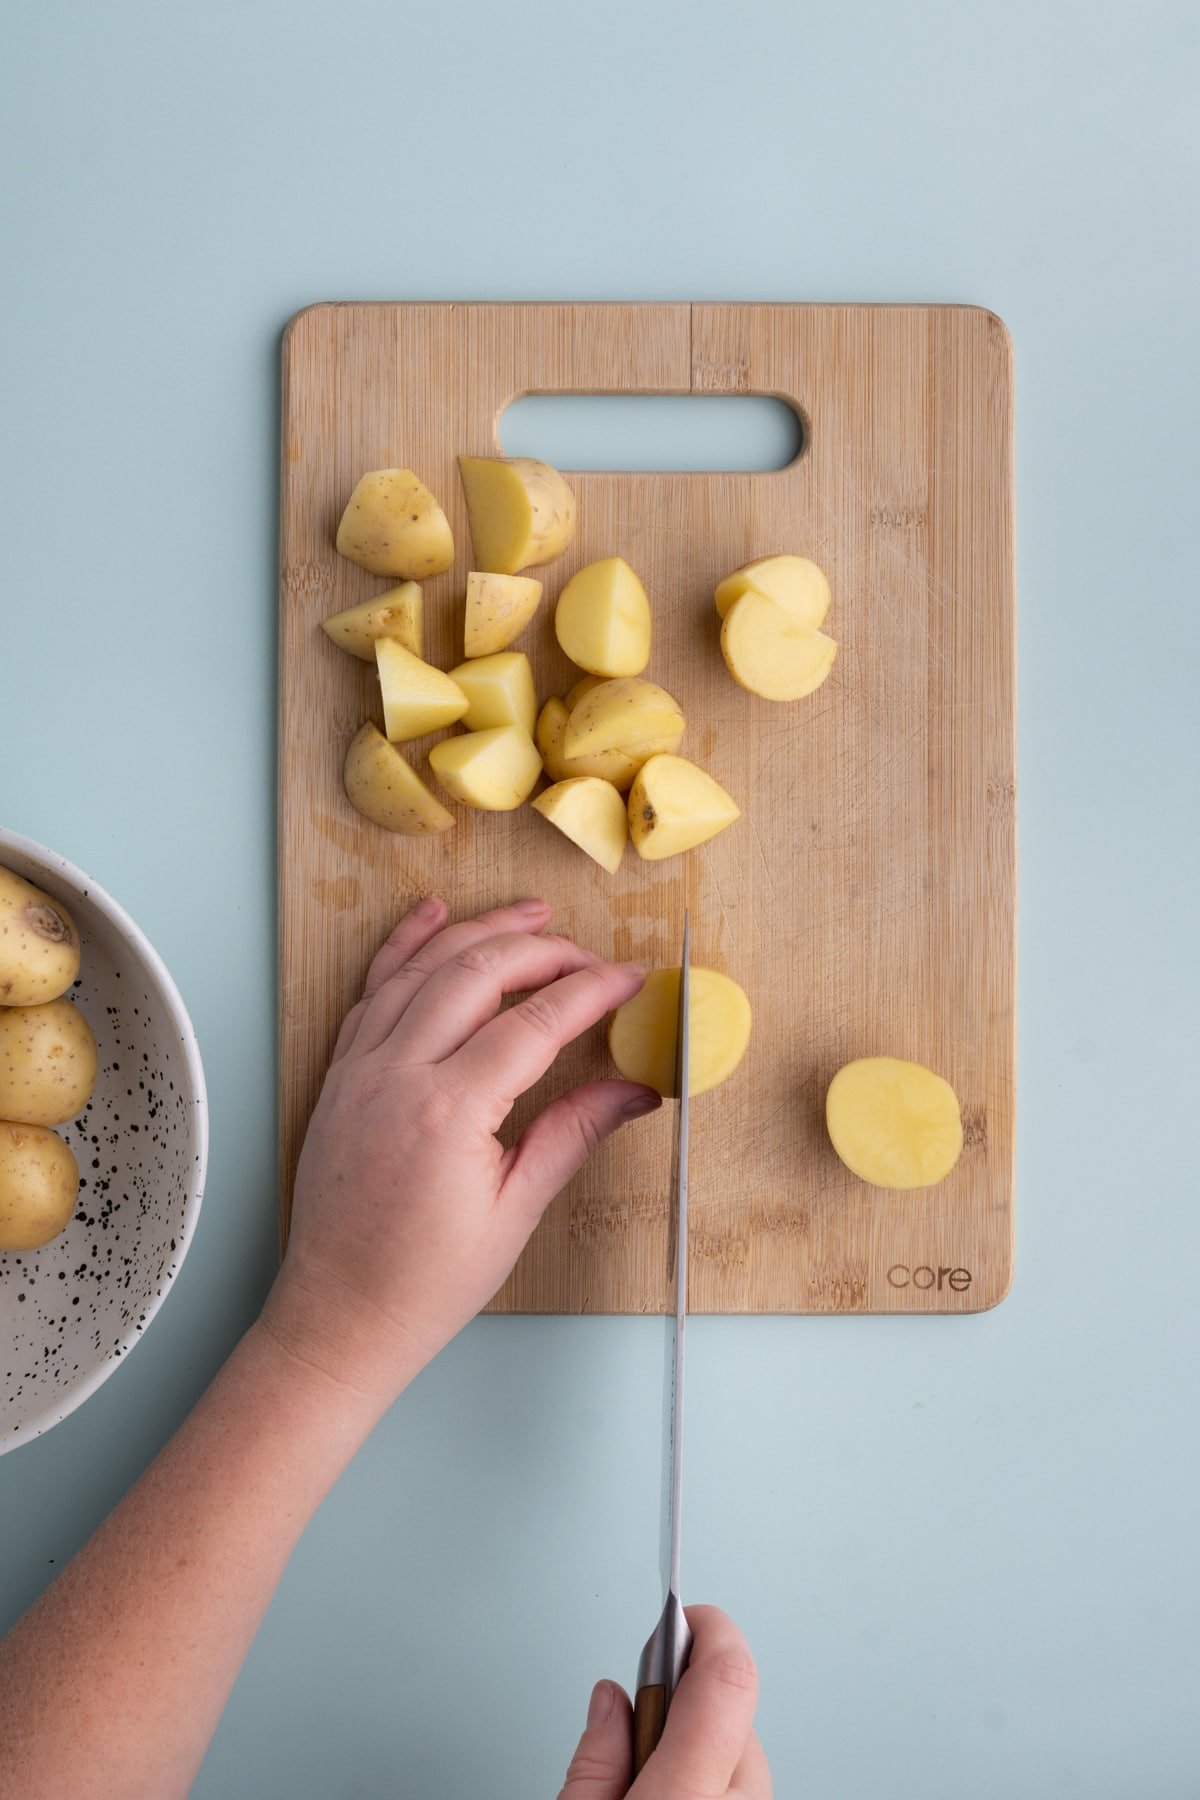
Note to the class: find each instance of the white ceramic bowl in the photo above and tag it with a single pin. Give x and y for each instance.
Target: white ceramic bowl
(70, 1312)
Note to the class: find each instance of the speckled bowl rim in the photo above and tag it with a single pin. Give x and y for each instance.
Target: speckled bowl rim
(160, 976)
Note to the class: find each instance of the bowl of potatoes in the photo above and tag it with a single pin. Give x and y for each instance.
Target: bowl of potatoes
(103, 1136)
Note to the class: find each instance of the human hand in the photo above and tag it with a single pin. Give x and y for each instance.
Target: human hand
(407, 1212)
(708, 1746)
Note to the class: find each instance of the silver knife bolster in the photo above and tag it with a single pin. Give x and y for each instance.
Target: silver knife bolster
(668, 1647)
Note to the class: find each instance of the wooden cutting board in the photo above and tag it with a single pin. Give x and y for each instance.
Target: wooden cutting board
(865, 899)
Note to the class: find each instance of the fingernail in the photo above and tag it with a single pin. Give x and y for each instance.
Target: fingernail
(427, 907)
(600, 1705)
(640, 1105)
(635, 971)
(531, 906)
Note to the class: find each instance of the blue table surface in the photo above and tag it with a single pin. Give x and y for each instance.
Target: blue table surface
(962, 1549)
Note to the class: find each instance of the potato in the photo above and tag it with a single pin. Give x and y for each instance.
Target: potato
(582, 687)
(499, 691)
(520, 511)
(793, 582)
(612, 766)
(396, 614)
(385, 789)
(39, 945)
(602, 619)
(771, 653)
(47, 1063)
(494, 770)
(392, 525)
(895, 1124)
(673, 806)
(39, 1181)
(416, 697)
(592, 814)
(644, 1033)
(615, 714)
(499, 607)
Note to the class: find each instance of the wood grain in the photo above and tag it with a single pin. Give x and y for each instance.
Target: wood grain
(649, 1718)
(865, 900)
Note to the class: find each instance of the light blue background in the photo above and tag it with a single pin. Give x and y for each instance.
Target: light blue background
(962, 1549)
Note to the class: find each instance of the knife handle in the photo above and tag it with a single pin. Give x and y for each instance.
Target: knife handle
(649, 1717)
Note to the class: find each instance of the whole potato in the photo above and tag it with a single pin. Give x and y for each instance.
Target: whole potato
(39, 945)
(47, 1063)
(39, 1180)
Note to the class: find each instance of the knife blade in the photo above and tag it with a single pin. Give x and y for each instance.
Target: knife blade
(665, 1655)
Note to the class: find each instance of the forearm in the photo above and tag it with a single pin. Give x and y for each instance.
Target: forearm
(112, 1684)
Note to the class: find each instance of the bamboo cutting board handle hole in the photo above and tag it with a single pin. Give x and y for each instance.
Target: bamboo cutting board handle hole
(667, 433)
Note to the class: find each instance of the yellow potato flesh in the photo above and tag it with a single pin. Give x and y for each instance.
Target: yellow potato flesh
(793, 582)
(393, 526)
(498, 608)
(383, 788)
(617, 714)
(895, 1124)
(39, 944)
(771, 653)
(592, 814)
(673, 806)
(494, 770)
(521, 511)
(39, 1180)
(47, 1063)
(602, 619)
(643, 1034)
(396, 614)
(416, 697)
(499, 691)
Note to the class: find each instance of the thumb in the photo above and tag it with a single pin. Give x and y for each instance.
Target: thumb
(554, 1145)
(602, 1767)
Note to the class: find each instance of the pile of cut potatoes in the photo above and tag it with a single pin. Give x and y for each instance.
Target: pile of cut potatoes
(610, 748)
(47, 1064)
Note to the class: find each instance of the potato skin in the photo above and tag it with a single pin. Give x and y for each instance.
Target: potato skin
(387, 790)
(47, 1063)
(39, 1182)
(393, 526)
(39, 944)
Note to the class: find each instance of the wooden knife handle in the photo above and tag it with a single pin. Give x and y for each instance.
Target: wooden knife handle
(649, 1717)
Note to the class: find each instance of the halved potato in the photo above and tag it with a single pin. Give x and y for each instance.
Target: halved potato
(385, 789)
(673, 806)
(416, 697)
(499, 691)
(602, 619)
(612, 766)
(494, 770)
(499, 607)
(893, 1123)
(793, 582)
(592, 814)
(644, 1033)
(392, 525)
(620, 713)
(396, 614)
(771, 653)
(521, 511)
